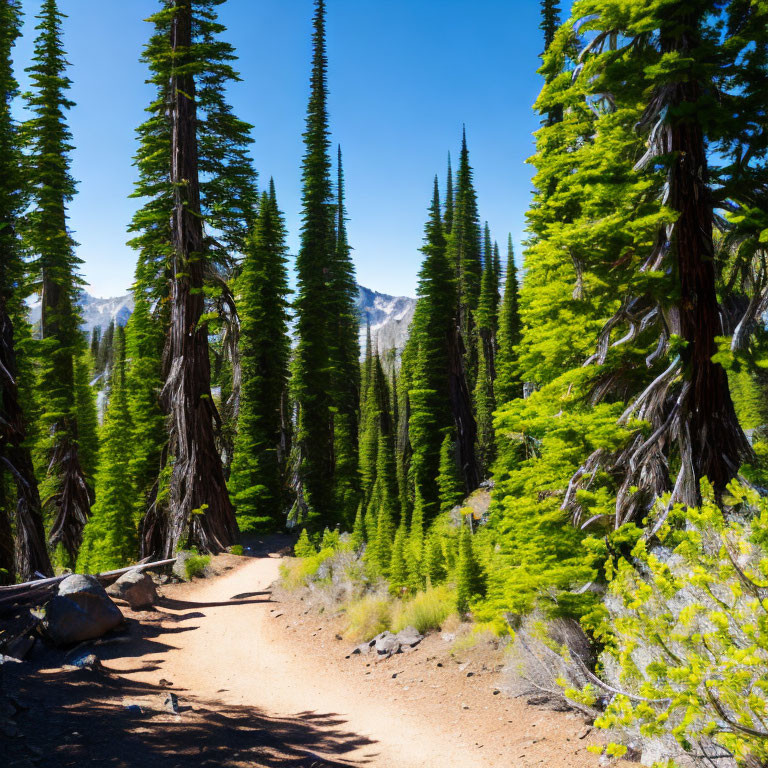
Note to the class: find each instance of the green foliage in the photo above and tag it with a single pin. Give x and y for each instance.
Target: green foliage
(449, 480)
(507, 385)
(237, 549)
(427, 610)
(195, 566)
(470, 580)
(53, 271)
(257, 479)
(303, 547)
(398, 568)
(325, 375)
(110, 536)
(697, 614)
(87, 419)
(367, 617)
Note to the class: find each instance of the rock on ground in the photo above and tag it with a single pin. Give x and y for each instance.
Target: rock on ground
(82, 610)
(136, 588)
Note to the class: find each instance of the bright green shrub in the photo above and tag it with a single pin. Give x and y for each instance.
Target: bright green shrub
(237, 549)
(689, 629)
(196, 565)
(304, 547)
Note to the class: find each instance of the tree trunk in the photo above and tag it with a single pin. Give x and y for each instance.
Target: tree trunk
(461, 407)
(201, 514)
(31, 553)
(714, 437)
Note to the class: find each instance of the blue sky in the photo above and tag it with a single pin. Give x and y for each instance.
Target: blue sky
(404, 76)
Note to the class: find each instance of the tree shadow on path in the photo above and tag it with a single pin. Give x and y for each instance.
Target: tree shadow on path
(72, 717)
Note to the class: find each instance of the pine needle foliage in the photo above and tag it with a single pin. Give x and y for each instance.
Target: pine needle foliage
(258, 477)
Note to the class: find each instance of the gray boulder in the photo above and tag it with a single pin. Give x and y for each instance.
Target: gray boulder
(82, 610)
(386, 644)
(136, 588)
(180, 566)
(409, 637)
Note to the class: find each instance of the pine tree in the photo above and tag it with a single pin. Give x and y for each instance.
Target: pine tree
(429, 346)
(449, 200)
(464, 252)
(182, 271)
(434, 565)
(20, 508)
(469, 575)
(449, 478)
(675, 384)
(257, 480)
(94, 348)
(325, 382)
(105, 351)
(398, 566)
(143, 344)
(54, 268)
(485, 405)
(507, 384)
(344, 350)
(87, 419)
(110, 538)
(550, 21)
(224, 195)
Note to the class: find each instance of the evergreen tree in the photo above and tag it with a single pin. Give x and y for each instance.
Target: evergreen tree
(485, 405)
(143, 344)
(110, 538)
(54, 268)
(507, 384)
(660, 257)
(434, 565)
(19, 508)
(398, 567)
(449, 478)
(449, 200)
(105, 352)
(87, 419)
(469, 576)
(257, 481)
(94, 348)
(325, 382)
(344, 350)
(181, 270)
(464, 252)
(431, 336)
(550, 21)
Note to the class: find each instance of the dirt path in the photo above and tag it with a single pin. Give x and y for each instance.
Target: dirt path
(237, 653)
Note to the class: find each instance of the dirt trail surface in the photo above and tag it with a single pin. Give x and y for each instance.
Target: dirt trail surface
(261, 683)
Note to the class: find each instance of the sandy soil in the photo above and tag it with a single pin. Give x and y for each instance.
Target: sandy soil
(424, 709)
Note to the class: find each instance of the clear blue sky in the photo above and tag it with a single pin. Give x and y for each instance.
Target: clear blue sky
(404, 75)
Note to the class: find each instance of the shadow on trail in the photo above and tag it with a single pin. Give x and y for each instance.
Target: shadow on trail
(182, 605)
(88, 718)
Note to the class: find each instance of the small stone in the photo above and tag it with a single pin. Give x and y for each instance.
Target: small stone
(585, 732)
(465, 706)
(171, 703)
(133, 709)
(470, 674)
(9, 729)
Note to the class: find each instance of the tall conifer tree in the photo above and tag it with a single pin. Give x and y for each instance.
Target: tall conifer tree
(110, 538)
(54, 269)
(257, 481)
(507, 383)
(219, 191)
(20, 508)
(326, 369)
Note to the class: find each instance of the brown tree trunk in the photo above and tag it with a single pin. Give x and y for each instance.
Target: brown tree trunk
(201, 514)
(461, 407)
(716, 440)
(30, 553)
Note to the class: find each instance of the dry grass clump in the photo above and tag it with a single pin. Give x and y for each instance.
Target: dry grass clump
(367, 617)
(426, 611)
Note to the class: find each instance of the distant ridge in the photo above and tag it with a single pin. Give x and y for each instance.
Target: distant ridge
(389, 316)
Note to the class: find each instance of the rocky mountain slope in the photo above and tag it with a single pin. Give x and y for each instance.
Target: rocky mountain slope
(389, 316)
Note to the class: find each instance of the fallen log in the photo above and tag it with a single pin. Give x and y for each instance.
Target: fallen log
(32, 592)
